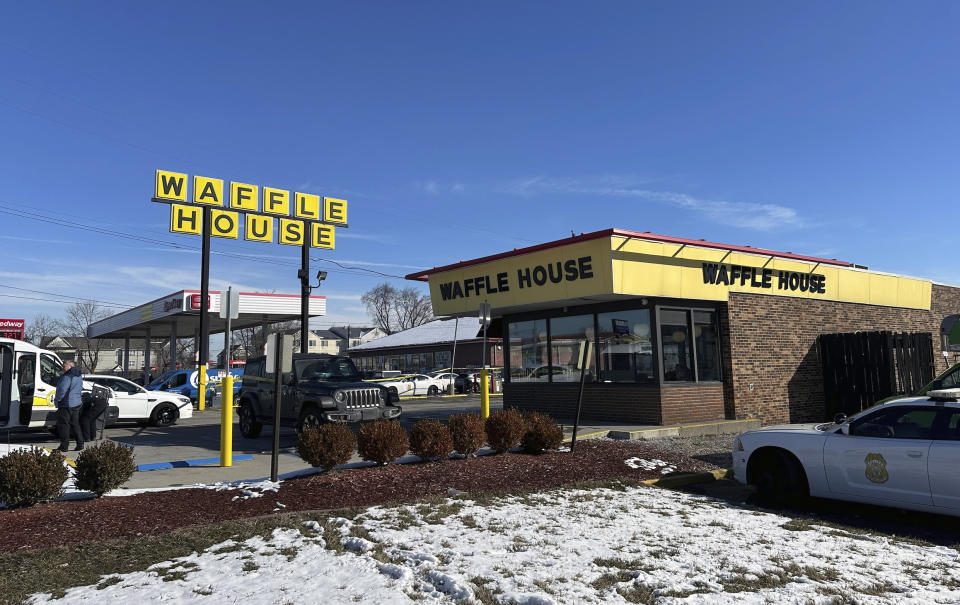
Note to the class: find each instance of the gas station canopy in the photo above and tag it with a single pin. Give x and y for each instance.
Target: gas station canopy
(178, 315)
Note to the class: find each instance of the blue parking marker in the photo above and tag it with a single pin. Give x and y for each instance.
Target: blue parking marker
(155, 466)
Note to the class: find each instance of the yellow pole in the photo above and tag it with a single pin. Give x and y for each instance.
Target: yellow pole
(202, 387)
(226, 421)
(484, 393)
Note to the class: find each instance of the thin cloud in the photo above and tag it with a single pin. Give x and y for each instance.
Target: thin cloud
(35, 239)
(747, 215)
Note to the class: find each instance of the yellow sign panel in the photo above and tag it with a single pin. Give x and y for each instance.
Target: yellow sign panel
(646, 268)
(307, 206)
(186, 219)
(322, 236)
(171, 186)
(276, 201)
(576, 271)
(292, 232)
(610, 267)
(244, 197)
(335, 210)
(304, 219)
(224, 223)
(207, 191)
(259, 228)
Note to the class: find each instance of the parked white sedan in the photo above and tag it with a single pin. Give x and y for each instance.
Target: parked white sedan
(160, 408)
(904, 453)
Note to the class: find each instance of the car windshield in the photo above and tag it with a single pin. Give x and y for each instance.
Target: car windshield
(334, 368)
(163, 378)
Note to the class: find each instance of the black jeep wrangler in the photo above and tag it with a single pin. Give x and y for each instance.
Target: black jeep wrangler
(322, 388)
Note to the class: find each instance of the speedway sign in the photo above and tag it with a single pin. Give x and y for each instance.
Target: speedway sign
(269, 214)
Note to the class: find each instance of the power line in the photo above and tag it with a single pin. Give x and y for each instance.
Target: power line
(62, 302)
(103, 302)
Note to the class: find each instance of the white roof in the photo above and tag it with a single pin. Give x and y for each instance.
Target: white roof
(435, 332)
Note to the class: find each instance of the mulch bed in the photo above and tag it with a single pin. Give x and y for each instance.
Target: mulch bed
(76, 522)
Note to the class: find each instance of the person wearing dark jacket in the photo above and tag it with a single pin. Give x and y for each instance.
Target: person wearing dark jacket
(69, 400)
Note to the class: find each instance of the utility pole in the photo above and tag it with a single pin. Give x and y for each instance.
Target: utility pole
(304, 295)
(204, 304)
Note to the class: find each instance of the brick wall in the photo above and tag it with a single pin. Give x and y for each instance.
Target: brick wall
(774, 366)
(640, 404)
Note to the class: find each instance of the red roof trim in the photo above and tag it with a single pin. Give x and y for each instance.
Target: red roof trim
(254, 294)
(424, 275)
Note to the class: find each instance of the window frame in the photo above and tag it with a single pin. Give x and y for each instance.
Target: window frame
(691, 330)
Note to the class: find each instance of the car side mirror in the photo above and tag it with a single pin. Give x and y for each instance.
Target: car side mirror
(845, 428)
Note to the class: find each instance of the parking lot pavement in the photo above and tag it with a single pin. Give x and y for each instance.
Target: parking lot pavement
(198, 438)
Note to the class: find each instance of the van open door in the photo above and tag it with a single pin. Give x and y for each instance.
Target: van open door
(7, 404)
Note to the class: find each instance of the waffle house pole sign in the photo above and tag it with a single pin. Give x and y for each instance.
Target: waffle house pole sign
(210, 207)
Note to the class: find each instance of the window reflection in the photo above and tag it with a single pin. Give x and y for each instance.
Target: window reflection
(528, 351)
(567, 335)
(626, 351)
(675, 345)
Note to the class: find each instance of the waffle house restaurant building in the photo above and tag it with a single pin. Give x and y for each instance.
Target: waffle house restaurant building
(683, 330)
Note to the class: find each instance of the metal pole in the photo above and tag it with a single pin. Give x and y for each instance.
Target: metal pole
(146, 358)
(453, 359)
(126, 356)
(484, 379)
(226, 396)
(277, 373)
(204, 315)
(304, 295)
(586, 353)
(173, 345)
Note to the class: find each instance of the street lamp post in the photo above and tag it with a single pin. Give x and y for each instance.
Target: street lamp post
(305, 290)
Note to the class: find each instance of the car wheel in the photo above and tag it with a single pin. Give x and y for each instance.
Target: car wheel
(779, 479)
(433, 391)
(310, 418)
(249, 427)
(164, 414)
(394, 395)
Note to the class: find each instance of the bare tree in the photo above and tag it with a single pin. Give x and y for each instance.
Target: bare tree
(412, 308)
(42, 325)
(394, 310)
(79, 316)
(252, 340)
(379, 304)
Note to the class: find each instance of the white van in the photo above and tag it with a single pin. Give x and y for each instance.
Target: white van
(28, 386)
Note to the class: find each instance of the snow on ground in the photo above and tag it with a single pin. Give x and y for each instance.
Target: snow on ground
(650, 465)
(639, 545)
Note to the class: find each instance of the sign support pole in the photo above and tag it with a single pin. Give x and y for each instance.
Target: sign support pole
(226, 390)
(277, 384)
(586, 353)
(204, 311)
(304, 295)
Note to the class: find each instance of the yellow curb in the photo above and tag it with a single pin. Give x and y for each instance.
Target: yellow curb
(69, 461)
(587, 435)
(686, 426)
(690, 478)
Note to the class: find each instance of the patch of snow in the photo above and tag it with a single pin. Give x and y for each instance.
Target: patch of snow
(650, 465)
(356, 544)
(450, 586)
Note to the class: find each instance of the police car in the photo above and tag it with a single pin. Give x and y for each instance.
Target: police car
(904, 453)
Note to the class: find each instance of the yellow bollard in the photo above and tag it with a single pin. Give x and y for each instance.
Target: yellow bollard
(226, 421)
(202, 387)
(484, 393)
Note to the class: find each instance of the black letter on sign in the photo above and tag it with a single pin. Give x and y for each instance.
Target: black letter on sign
(502, 282)
(782, 278)
(539, 275)
(183, 218)
(794, 281)
(223, 217)
(709, 273)
(524, 277)
(767, 278)
(211, 192)
(169, 183)
(586, 270)
(263, 225)
(559, 276)
(445, 291)
(570, 268)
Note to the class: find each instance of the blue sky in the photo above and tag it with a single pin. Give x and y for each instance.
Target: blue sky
(457, 130)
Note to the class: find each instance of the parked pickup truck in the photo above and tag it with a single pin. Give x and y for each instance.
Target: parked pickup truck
(322, 388)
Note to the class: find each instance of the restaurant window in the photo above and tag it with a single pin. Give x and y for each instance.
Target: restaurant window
(625, 347)
(567, 334)
(528, 351)
(689, 345)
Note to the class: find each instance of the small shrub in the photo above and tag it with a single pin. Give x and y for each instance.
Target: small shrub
(505, 428)
(543, 433)
(467, 433)
(327, 446)
(104, 466)
(382, 441)
(431, 439)
(28, 476)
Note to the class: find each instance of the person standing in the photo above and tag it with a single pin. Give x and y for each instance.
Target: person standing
(69, 400)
